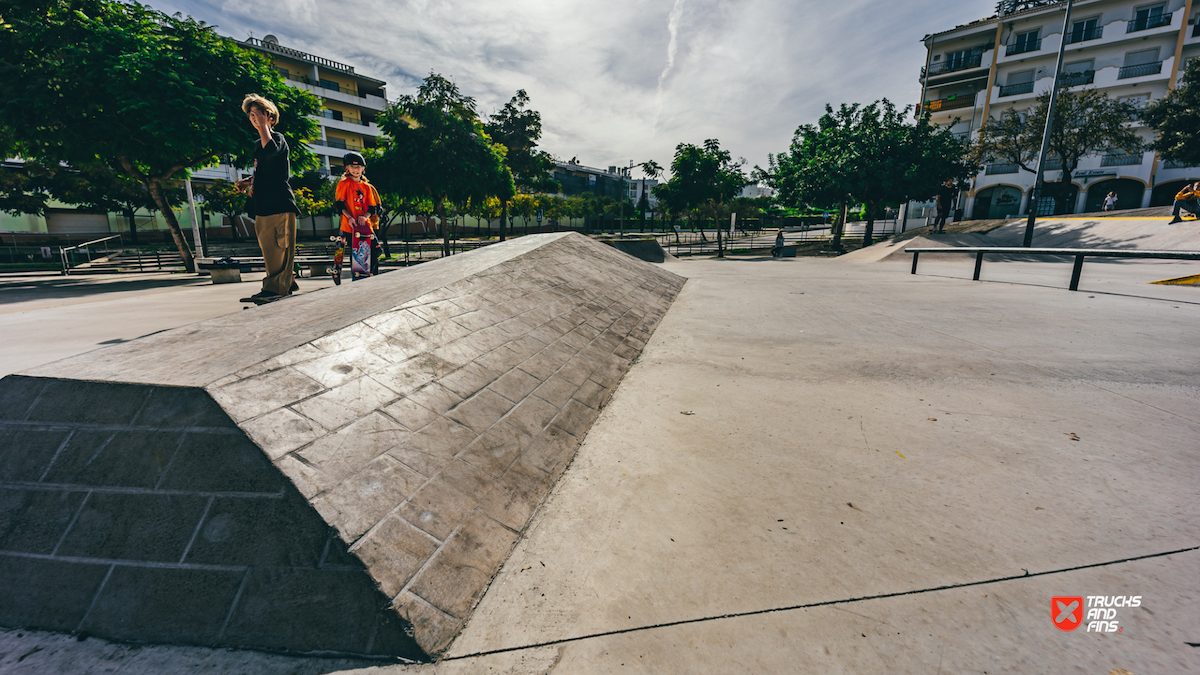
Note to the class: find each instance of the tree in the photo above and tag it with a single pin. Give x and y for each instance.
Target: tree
(1085, 122)
(224, 198)
(1176, 118)
(703, 176)
(439, 150)
(519, 129)
(151, 95)
(101, 188)
(868, 155)
(24, 188)
(652, 169)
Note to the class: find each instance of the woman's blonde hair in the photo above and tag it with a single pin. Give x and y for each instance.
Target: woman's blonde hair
(252, 100)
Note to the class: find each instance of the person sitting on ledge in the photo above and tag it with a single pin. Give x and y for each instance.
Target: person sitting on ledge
(1188, 199)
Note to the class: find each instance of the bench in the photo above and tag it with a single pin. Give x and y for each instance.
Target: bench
(1078, 253)
(317, 265)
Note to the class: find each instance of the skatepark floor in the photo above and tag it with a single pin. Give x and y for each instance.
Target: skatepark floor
(819, 466)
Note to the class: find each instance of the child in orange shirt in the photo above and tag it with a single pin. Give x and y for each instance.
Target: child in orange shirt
(358, 203)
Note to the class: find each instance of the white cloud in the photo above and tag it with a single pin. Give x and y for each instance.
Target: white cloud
(617, 81)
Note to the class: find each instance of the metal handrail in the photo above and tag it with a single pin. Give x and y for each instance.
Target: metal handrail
(1140, 70)
(1014, 89)
(62, 252)
(1078, 253)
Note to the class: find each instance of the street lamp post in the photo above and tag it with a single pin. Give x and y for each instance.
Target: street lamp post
(1035, 196)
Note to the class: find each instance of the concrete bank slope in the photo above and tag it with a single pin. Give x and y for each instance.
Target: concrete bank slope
(1146, 233)
(828, 468)
(336, 473)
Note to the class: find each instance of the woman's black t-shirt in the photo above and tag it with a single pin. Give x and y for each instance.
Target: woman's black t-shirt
(272, 193)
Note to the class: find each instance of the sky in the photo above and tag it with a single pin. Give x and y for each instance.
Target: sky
(619, 81)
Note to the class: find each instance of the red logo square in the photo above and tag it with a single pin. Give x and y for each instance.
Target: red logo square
(1066, 611)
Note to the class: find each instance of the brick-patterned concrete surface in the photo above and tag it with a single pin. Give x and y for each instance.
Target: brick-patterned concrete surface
(425, 434)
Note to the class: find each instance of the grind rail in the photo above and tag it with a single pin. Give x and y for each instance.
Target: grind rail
(1078, 253)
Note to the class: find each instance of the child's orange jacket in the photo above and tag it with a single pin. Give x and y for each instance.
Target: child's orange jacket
(360, 198)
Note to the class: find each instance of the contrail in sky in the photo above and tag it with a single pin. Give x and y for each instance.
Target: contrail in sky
(673, 29)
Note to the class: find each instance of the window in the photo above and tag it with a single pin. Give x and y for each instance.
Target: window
(1088, 29)
(1078, 72)
(1141, 58)
(1149, 12)
(1138, 101)
(1025, 42)
(1150, 16)
(1020, 78)
(966, 58)
(283, 71)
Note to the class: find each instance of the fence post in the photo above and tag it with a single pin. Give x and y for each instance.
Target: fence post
(1076, 272)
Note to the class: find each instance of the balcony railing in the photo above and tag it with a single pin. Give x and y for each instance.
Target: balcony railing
(1140, 71)
(951, 66)
(1076, 79)
(1014, 89)
(1121, 160)
(332, 86)
(1085, 35)
(1171, 164)
(349, 119)
(953, 103)
(993, 169)
(297, 54)
(336, 143)
(1023, 47)
(1149, 22)
(1053, 165)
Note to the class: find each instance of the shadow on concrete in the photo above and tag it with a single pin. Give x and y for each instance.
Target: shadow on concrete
(28, 289)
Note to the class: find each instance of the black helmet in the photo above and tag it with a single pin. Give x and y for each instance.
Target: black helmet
(353, 158)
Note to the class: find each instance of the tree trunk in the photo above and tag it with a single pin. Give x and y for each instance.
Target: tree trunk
(131, 216)
(440, 207)
(717, 223)
(160, 200)
(503, 218)
(838, 226)
(869, 233)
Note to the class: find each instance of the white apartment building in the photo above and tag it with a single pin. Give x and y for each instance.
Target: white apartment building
(351, 104)
(1130, 49)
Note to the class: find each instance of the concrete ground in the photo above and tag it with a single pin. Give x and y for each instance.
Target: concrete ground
(819, 466)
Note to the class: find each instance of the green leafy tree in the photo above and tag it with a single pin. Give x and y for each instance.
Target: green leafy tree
(865, 155)
(703, 177)
(438, 150)
(101, 188)
(653, 170)
(518, 128)
(25, 188)
(1176, 118)
(1085, 122)
(224, 198)
(123, 85)
(310, 205)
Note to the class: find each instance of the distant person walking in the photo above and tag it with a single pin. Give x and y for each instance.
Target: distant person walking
(946, 195)
(272, 201)
(1187, 199)
(777, 250)
(1110, 202)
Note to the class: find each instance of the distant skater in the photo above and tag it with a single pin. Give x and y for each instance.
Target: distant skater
(1110, 202)
(777, 250)
(272, 200)
(1187, 199)
(945, 202)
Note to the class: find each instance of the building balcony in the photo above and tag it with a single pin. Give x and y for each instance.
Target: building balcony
(1140, 71)
(1171, 164)
(1196, 30)
(997, 168)
(339, 117)
(1085, 35)
(1015, 89)
(337, 144)
(950, 103)
(1023, 47)
(1149, 22)
(1076, 79)
(953, 66)
(1053, 165)
(1121, 160)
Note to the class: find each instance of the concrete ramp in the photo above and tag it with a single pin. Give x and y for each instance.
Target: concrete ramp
(339, 472)
(642, 249)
